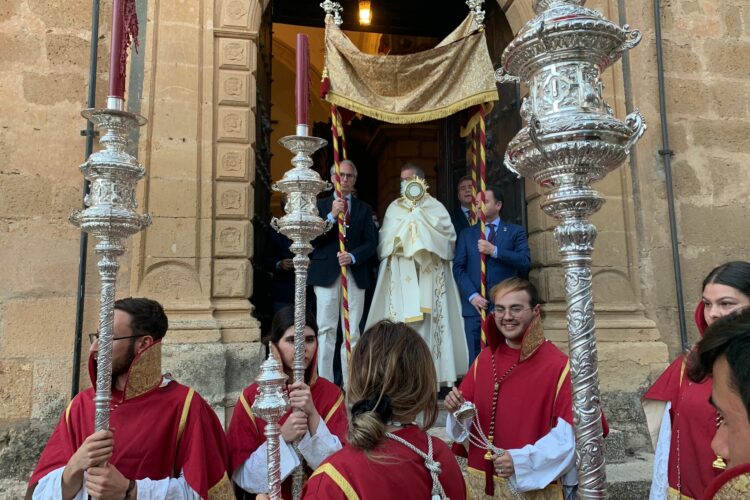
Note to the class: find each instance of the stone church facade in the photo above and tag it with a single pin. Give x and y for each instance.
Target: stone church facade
(196, 80)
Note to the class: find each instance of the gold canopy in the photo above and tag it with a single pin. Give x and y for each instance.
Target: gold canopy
(412, 88)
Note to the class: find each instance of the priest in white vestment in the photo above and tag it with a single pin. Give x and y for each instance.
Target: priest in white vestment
(415, 283)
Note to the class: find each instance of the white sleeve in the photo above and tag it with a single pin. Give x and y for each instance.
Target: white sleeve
(166, 489)
(252, 476)
(537, 465)
(456, 432)
(317, 448)
(660, 481)
(50, 487)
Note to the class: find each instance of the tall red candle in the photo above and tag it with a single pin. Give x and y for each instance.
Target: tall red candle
(124, 31)
(116, 77)
(302, 98)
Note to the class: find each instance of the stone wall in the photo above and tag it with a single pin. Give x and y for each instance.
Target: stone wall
(707, 69)
(44, 61)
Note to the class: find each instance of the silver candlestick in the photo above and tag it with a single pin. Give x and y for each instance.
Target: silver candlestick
(301, 224)
(270, 404)
(570, 140)
(111, 216)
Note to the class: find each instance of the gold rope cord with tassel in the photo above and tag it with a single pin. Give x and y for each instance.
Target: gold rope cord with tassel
(473, 165)
(337, 129)
(482, 215)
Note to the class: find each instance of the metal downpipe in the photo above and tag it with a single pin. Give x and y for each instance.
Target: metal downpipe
(666, 154)
(84, 239)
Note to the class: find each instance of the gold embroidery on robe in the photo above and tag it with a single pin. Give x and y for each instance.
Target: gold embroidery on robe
(221, 490)
(475, 488)
(736, 488)
(145, 372)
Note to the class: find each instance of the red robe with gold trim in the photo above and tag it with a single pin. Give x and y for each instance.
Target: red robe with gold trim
(693, 425)
(732, 484)
(391, 471)
(531, 399)
(159, 431)
(245, 433)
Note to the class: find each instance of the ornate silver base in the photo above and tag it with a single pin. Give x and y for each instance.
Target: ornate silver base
(111, 216)
(301, 224)
(270, 405)
(572, 139)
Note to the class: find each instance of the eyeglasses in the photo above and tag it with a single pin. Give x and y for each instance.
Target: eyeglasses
(514, 311)
(93, 337)
(347, 176)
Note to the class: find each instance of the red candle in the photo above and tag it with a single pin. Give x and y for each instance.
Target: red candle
(124, 31)
(301, 93)
(116, 77)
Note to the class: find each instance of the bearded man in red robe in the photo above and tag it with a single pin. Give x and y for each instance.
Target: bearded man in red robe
(520, 384)
(164, 440)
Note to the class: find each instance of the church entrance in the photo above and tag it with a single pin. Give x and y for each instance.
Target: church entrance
(379, 149)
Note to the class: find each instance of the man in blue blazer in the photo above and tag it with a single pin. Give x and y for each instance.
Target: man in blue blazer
(507, 250)
(325, 267)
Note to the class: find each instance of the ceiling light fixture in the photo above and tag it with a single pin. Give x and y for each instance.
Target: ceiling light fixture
(365, 12)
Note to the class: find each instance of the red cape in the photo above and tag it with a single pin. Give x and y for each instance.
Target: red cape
(245, 433)
(159, 431)
(693, 419)
(390, 471)
(531, 398)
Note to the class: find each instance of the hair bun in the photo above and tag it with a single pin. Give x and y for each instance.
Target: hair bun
(381, 408)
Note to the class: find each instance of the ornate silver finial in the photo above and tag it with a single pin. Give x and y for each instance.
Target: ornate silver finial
(333, 9)
(502, 77)
(570, 140)
(301, 224)
(475, 6)
(271, 404)
(110, 215)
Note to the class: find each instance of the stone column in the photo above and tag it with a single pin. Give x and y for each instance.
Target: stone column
(199, 94)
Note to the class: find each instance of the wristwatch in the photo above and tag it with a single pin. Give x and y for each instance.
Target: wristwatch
(129, 491)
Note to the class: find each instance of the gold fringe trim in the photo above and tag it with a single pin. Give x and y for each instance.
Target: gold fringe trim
(402, 118)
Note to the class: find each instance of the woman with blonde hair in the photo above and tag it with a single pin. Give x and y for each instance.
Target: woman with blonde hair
(392, 381)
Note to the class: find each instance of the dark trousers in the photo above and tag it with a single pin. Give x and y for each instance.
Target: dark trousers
(473, 330)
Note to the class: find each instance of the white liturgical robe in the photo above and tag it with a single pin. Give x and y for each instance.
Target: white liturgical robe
(415, 283)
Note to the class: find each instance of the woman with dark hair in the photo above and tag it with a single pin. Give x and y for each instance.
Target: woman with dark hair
(317, 418)
(681, 420)
(388, 455)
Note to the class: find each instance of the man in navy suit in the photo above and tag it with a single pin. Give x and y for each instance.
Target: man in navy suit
(325, 267)
(507, 250)
(461, 215)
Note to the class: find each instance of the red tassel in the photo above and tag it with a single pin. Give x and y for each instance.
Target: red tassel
(489, 480)
(325, 86)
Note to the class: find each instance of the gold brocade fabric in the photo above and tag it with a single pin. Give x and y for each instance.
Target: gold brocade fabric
(411, 88)
(221, 490)
(475, 488)
(145, 372)
(735, 489)
(533, 339)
